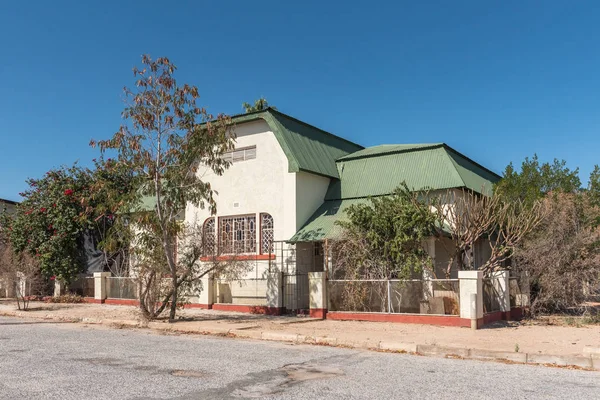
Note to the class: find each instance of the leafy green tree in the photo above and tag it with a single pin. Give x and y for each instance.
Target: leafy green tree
(259, 105)
(536, 179)
(166, 139)
(57, 212)
(383, 239)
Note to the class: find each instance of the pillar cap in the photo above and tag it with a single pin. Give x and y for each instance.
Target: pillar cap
(470, 274)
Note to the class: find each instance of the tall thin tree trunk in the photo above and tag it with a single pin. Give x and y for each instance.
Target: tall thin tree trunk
(173, 309)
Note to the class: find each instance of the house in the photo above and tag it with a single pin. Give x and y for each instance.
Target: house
(7, 205)
(290, 181)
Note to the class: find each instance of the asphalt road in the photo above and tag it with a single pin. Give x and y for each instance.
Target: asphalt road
(46, 360)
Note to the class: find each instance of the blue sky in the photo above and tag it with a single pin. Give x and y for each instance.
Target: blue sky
(497, 80)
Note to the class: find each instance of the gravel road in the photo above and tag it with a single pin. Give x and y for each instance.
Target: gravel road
(48, 360)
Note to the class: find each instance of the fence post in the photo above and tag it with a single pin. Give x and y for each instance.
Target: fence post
(389, 297)
(275, 292)
(59, 288)
(100, 292)
(206, 296)
(317, 284)
(500, 281)
(471, 296)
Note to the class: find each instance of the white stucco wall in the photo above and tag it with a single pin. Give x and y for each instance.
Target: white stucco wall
(310, 193)
(253, 186)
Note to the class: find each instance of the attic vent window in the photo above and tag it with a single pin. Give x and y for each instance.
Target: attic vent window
(241, 154)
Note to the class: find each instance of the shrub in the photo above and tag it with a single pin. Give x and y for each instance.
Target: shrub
(67, 298)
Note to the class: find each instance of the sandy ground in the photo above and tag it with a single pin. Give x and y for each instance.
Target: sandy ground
(527, 337)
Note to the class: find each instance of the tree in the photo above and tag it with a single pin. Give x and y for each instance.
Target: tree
(21, 274)
(562, 256)
(165, 141)
(594, 186)
(382, 239)
(537, 179)
(63, 210)
(259, 105)
(468, 217)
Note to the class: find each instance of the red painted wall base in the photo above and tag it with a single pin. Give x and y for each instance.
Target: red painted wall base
(248, 309)
(320, 313)
(93, 300)
(122, 302)
(442, 320)
(202, 306)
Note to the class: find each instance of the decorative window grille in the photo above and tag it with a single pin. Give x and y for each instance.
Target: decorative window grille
(238, 234)
(241, 154)
(266, 233)
(209, 236)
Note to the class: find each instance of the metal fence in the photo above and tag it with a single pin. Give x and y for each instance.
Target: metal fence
(83, 286)
(121, 288)
(296, 291)
(295, 261)
(437, 296)
(517, 298)
(491, 296)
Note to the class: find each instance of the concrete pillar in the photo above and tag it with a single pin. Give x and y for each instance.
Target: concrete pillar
(275, 291)
(500, 280)
(317, 283)
(100, 292)
(206, 296)
(59, 288)
(471, 307)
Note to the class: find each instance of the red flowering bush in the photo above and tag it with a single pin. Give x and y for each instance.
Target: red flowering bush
(59, 209)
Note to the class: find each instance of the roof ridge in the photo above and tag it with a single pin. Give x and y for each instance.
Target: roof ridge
(458, 153)
(13, 202)
(425, 146)
(453, 165)
(272, 110)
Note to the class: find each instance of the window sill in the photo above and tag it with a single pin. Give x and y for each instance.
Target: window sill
(241, 257)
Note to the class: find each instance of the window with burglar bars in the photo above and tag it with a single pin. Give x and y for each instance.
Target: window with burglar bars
(266, 233)
(238, 234)
(241, 154)
(209, 237)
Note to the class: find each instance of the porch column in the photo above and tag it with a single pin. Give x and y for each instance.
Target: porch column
(206, 296)
(471, 296)
(274, 291)
(100, 292)
(317, 283)
(500, 279)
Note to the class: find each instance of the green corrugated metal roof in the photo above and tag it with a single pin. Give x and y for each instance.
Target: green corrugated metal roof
(307, 148)
(321, 224)
(378, 170)
(387, 148)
